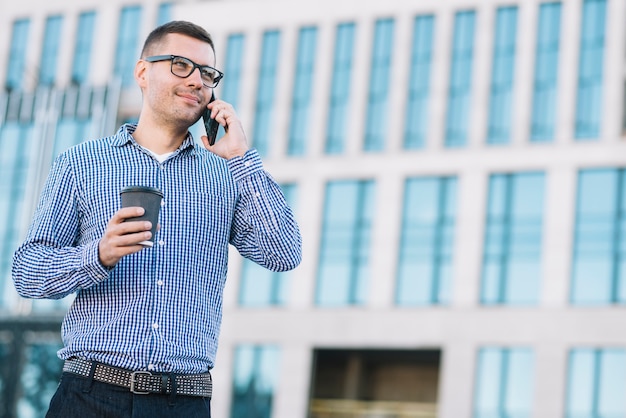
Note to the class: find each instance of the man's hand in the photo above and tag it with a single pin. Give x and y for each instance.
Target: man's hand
(123, 238)
(234, 142)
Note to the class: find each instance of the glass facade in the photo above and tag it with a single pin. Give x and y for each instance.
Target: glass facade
(302, 91)
(127, 50)
(460, 83)
(502, 77)
(164, 14)
(82, 49)
(344, 254)
(426, 245)
(504, 383)
(590, 70)
(416, 124)
(233, 64)
(256, 372)
(266, 92)
(260, 287)
(377, 99)
(544, 108)
(599, 259)
(50, 50)
(18, 152)
(340, 88)
(596, 383)
(16, 63)
(513, 236)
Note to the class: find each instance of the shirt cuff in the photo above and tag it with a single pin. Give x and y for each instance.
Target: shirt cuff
(241, 167)
(91, 261)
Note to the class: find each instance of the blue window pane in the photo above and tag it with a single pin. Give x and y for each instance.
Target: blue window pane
(231, 83)
(344, 254)
(416, 126)
(164, 14)
(82, 50)
(425, 262)
(17, 157)
(590, 69)
(599, 251)
(546, 73)
(504, 383)
(340, 89)
(127, 51)
(232, 68)
(50, 50)
(16, 64)
(502, 72)
(256, 371)
(265, 92)
(460, 84)
(70, 132)
(513, 235)
(302, 88)
(596, 383)
(377, 107)
(260, 287)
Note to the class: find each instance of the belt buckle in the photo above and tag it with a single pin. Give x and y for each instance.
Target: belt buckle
(133, 376)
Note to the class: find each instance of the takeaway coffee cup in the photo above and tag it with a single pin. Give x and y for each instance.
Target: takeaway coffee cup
(148, 198)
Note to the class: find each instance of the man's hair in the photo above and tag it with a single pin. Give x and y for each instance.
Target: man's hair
(177, 26)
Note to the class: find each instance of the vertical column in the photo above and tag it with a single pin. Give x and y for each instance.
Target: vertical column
(456, 381)
(550, 380)
(469, 237)
(398, 82)
(311, 189)
(320, 98)
(478, 114)
(291, 398)
(524, 72)
(361, 70)
(571, 21)
(287, 53)
(440, 78)
(385, 239)
(560, 204)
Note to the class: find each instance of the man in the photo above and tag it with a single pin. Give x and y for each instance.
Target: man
(141, 334)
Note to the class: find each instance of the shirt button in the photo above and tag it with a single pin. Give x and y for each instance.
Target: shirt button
(163, 203)
(155, 325)
(247, 163)
(150, 366)
(160, 282)
(161, 243)
(257, 194)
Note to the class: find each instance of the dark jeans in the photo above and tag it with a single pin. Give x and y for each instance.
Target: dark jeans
(80, 397)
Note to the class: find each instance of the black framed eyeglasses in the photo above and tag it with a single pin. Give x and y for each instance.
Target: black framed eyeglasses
(183, 67)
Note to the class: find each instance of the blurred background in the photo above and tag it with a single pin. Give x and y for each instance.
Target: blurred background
(457, 168)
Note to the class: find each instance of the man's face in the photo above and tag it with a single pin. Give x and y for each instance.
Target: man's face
(172, 99)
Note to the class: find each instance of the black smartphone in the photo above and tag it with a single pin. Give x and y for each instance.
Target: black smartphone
(211, 125)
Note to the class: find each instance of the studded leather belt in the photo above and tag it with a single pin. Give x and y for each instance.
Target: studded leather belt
(143, 382)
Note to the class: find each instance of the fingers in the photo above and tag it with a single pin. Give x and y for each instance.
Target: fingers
(122, 238)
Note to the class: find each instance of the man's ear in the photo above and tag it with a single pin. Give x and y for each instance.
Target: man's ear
(140, 73)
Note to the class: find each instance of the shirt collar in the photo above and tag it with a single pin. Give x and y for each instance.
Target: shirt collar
(125, 135)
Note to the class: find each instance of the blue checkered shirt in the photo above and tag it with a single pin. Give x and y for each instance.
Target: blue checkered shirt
(159, 309)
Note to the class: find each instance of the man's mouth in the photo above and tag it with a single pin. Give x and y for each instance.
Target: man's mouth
(190, 97)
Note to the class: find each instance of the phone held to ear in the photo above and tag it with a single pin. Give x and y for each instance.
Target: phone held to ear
(211, 125)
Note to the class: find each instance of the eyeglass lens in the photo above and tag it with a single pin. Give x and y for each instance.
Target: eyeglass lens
(183, 67)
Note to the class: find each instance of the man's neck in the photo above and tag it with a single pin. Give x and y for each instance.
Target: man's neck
(158, 139)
